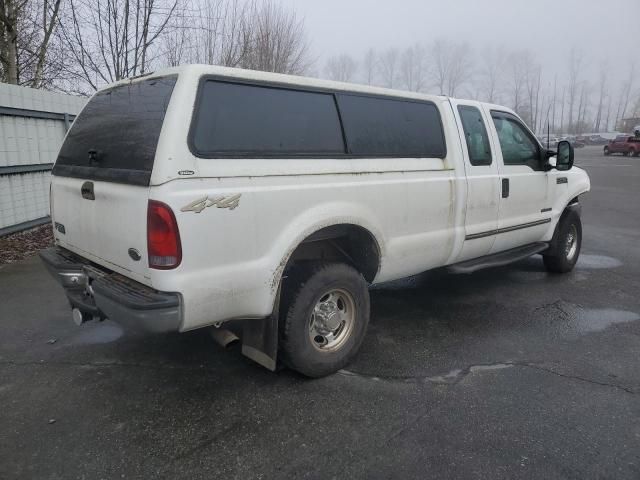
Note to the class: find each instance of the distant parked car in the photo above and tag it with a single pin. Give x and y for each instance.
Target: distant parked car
(624, 144)
(597, 140)
(579, 142)
(550, 143)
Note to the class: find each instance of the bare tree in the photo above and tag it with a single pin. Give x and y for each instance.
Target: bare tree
(583, 105)
(370, 66)
(389, 67)
(636, 105)
(532, 80)
(573, 89)
(113, 39)
(562, 105)
(440, 62)
(413, 68)
(554, 100)
(223, 33)
(11, 12)
(341, 68)
(492, 71)
(517, 70)
(601, 97)
(451, 65)
(626, 92)
(277, 40)
(607, 122)
(460, 68)
(27, 30)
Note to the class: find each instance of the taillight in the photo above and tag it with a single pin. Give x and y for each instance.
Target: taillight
(163, 237)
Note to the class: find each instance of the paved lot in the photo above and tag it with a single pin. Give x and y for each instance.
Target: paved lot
(508, 373)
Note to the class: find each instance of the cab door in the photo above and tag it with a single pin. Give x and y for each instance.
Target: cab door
(482, 177)
(526, 192)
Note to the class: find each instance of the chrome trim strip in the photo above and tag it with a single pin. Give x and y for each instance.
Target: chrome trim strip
(490, 233)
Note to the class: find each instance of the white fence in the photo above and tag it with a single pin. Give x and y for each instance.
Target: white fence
(32, 127)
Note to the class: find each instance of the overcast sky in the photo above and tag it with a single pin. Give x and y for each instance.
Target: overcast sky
(550, 28)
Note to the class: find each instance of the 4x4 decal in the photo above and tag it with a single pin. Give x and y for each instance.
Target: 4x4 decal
(230, 202)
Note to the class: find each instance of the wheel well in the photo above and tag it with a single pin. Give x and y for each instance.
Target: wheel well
(351, 244)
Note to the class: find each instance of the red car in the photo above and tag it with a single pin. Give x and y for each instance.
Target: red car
(625, 145)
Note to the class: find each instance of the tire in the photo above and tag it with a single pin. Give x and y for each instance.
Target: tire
(566, 244)
(324, 317)
(626, 154)
(633, 153)
(606, 151)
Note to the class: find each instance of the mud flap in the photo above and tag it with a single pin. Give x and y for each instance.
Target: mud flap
(260, 339)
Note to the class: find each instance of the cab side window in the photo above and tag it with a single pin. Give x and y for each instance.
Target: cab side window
(476, 136)
(516, 143)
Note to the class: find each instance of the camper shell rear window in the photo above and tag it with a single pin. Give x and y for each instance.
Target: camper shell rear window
(116, 135)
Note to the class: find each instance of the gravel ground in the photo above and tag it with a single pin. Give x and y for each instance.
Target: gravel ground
(22, 245)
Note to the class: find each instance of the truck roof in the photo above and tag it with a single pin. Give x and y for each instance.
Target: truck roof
(198, 70)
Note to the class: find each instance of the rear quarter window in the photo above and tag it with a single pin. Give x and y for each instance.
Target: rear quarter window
(376, 126)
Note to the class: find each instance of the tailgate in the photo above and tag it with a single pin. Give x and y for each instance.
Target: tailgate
(104, 229)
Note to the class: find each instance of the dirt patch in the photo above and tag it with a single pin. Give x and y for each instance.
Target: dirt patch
(18, 246)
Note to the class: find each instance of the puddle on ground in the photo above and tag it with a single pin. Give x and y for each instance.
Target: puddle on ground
(597, 320)
(97, 333)
(597, 262)
(566, 317)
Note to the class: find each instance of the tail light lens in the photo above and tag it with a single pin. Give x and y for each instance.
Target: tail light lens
(163, 237)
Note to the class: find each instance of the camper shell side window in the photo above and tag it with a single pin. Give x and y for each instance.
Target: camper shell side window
(239, 119)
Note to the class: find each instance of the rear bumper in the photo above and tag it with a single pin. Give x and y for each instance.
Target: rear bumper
(98, 294)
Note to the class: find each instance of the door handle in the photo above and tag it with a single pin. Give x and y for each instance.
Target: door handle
(87, 191)
(505, 188)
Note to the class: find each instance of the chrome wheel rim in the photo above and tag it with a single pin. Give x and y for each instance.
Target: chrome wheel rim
(571, 245)
(332, 320)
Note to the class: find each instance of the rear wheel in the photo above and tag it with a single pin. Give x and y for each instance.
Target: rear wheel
(566, 244)
(325, 312)
(626, 154)
(606, 151)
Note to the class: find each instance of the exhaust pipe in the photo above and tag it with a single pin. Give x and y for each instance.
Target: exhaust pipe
(78, 317)
(224, 338)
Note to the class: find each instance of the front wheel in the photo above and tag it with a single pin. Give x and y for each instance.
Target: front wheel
(606, 151)
(566, 244)
(325, 312)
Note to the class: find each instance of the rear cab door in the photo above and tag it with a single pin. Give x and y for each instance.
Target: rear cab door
(100, 182)
(482, 178)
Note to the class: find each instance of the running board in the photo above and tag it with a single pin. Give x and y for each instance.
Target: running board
(499, 259)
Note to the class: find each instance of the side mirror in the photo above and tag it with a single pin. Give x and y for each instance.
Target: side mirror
(565, 156)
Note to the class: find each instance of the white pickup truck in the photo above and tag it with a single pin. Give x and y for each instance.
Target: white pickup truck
(202, 195)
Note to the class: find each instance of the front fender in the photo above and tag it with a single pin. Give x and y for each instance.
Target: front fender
(577, 183)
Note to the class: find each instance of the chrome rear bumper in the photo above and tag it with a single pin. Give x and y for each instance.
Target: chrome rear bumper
(98, 294)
